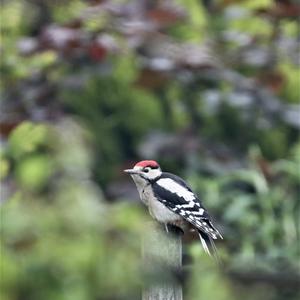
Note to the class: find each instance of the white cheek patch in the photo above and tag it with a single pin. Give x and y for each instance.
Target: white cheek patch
(153, 173)
(176, 188)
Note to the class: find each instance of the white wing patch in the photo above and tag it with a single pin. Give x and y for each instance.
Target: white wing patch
(191, 210)
(176, 188)
(200, 212)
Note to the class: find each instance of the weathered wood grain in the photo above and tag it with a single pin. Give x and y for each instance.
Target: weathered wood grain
(162, 258)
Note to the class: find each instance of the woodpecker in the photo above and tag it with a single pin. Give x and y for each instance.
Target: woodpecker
(172, 202)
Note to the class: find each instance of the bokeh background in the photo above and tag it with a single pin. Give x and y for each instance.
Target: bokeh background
(210, 89)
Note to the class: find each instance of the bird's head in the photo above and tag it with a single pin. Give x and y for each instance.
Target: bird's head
(145, 170)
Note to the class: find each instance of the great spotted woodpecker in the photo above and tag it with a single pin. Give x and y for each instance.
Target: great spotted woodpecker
(171, 201)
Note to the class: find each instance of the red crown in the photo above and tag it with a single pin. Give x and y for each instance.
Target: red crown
(147, 163)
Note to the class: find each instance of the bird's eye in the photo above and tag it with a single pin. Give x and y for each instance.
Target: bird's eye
(146, 170)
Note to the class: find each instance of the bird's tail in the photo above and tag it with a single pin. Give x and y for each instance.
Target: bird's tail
(209, 246)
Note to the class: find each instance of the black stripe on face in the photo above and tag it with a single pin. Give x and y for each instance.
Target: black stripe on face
(151, 167)
(145, 169)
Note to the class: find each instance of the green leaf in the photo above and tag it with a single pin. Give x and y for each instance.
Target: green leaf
(26, 138)
(34, 171)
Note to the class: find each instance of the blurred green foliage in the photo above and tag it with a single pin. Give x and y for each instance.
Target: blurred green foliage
(116, 119)
(208, 88)
(269, 212)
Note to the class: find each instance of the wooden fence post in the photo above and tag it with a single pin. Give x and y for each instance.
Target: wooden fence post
(162, 256)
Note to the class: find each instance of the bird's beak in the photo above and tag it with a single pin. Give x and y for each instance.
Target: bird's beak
(131, 171)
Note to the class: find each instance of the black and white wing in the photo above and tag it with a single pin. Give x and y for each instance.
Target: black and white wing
(175, 194)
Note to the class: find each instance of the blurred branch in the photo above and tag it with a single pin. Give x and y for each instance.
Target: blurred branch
(282, 280)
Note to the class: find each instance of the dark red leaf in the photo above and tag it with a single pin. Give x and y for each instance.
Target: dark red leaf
(151, 79)
(164, 16)
(97, 52)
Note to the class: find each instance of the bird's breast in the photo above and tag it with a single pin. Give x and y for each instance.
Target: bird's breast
(161, 213)
(156, 209)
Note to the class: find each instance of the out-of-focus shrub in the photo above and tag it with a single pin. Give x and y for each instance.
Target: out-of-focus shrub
(58, 237)
(90, 87)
